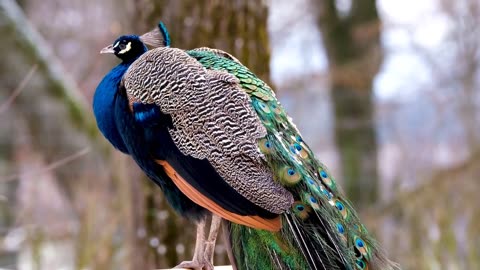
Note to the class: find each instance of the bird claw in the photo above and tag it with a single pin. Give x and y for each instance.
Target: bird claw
(196, 265)
(204, 250)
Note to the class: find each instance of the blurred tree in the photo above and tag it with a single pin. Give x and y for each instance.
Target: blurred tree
(50, 122)
(447, 235)
(352, 42)
(465, 17)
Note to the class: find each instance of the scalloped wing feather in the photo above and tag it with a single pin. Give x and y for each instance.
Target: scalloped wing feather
(212, 118)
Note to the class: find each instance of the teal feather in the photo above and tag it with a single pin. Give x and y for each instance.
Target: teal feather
(165, 34)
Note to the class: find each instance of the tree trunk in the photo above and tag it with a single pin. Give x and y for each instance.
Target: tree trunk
(352, 44)
(238, 27)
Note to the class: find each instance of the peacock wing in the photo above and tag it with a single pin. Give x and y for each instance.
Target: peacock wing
(212, 119)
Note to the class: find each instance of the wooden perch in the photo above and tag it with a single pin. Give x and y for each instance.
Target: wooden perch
(223, 267)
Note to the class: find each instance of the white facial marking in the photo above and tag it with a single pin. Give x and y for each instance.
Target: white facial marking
(127, 48)
(116, 44)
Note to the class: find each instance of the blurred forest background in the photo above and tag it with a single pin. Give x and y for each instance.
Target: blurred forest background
(386, 92)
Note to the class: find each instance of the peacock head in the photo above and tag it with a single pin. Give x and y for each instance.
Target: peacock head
(128, 48)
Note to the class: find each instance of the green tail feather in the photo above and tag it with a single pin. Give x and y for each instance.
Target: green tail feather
(258, 248)
(321, 230)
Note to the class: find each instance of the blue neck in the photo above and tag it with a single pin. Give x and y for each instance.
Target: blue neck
(103, 105)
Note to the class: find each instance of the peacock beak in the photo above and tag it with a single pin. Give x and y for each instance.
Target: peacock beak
(108, 49)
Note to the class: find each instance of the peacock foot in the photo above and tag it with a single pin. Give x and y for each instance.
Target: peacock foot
(196, 265)
(204, 249)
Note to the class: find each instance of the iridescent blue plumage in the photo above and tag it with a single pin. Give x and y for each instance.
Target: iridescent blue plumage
(140, 132)
(105, 94)
(103, 106)
(147, 114)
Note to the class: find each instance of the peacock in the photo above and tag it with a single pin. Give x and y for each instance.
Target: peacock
(215, 138)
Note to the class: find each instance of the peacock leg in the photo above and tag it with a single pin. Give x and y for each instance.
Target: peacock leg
(197, 262)
(212, 238)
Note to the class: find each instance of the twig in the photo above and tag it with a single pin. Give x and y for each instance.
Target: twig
(51, 166)
(19, 89)
(56, 82)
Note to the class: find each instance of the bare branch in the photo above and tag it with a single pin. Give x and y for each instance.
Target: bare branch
(52, 166)
(18, 90)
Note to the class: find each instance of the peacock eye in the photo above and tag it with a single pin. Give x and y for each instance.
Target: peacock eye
(122, 46)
